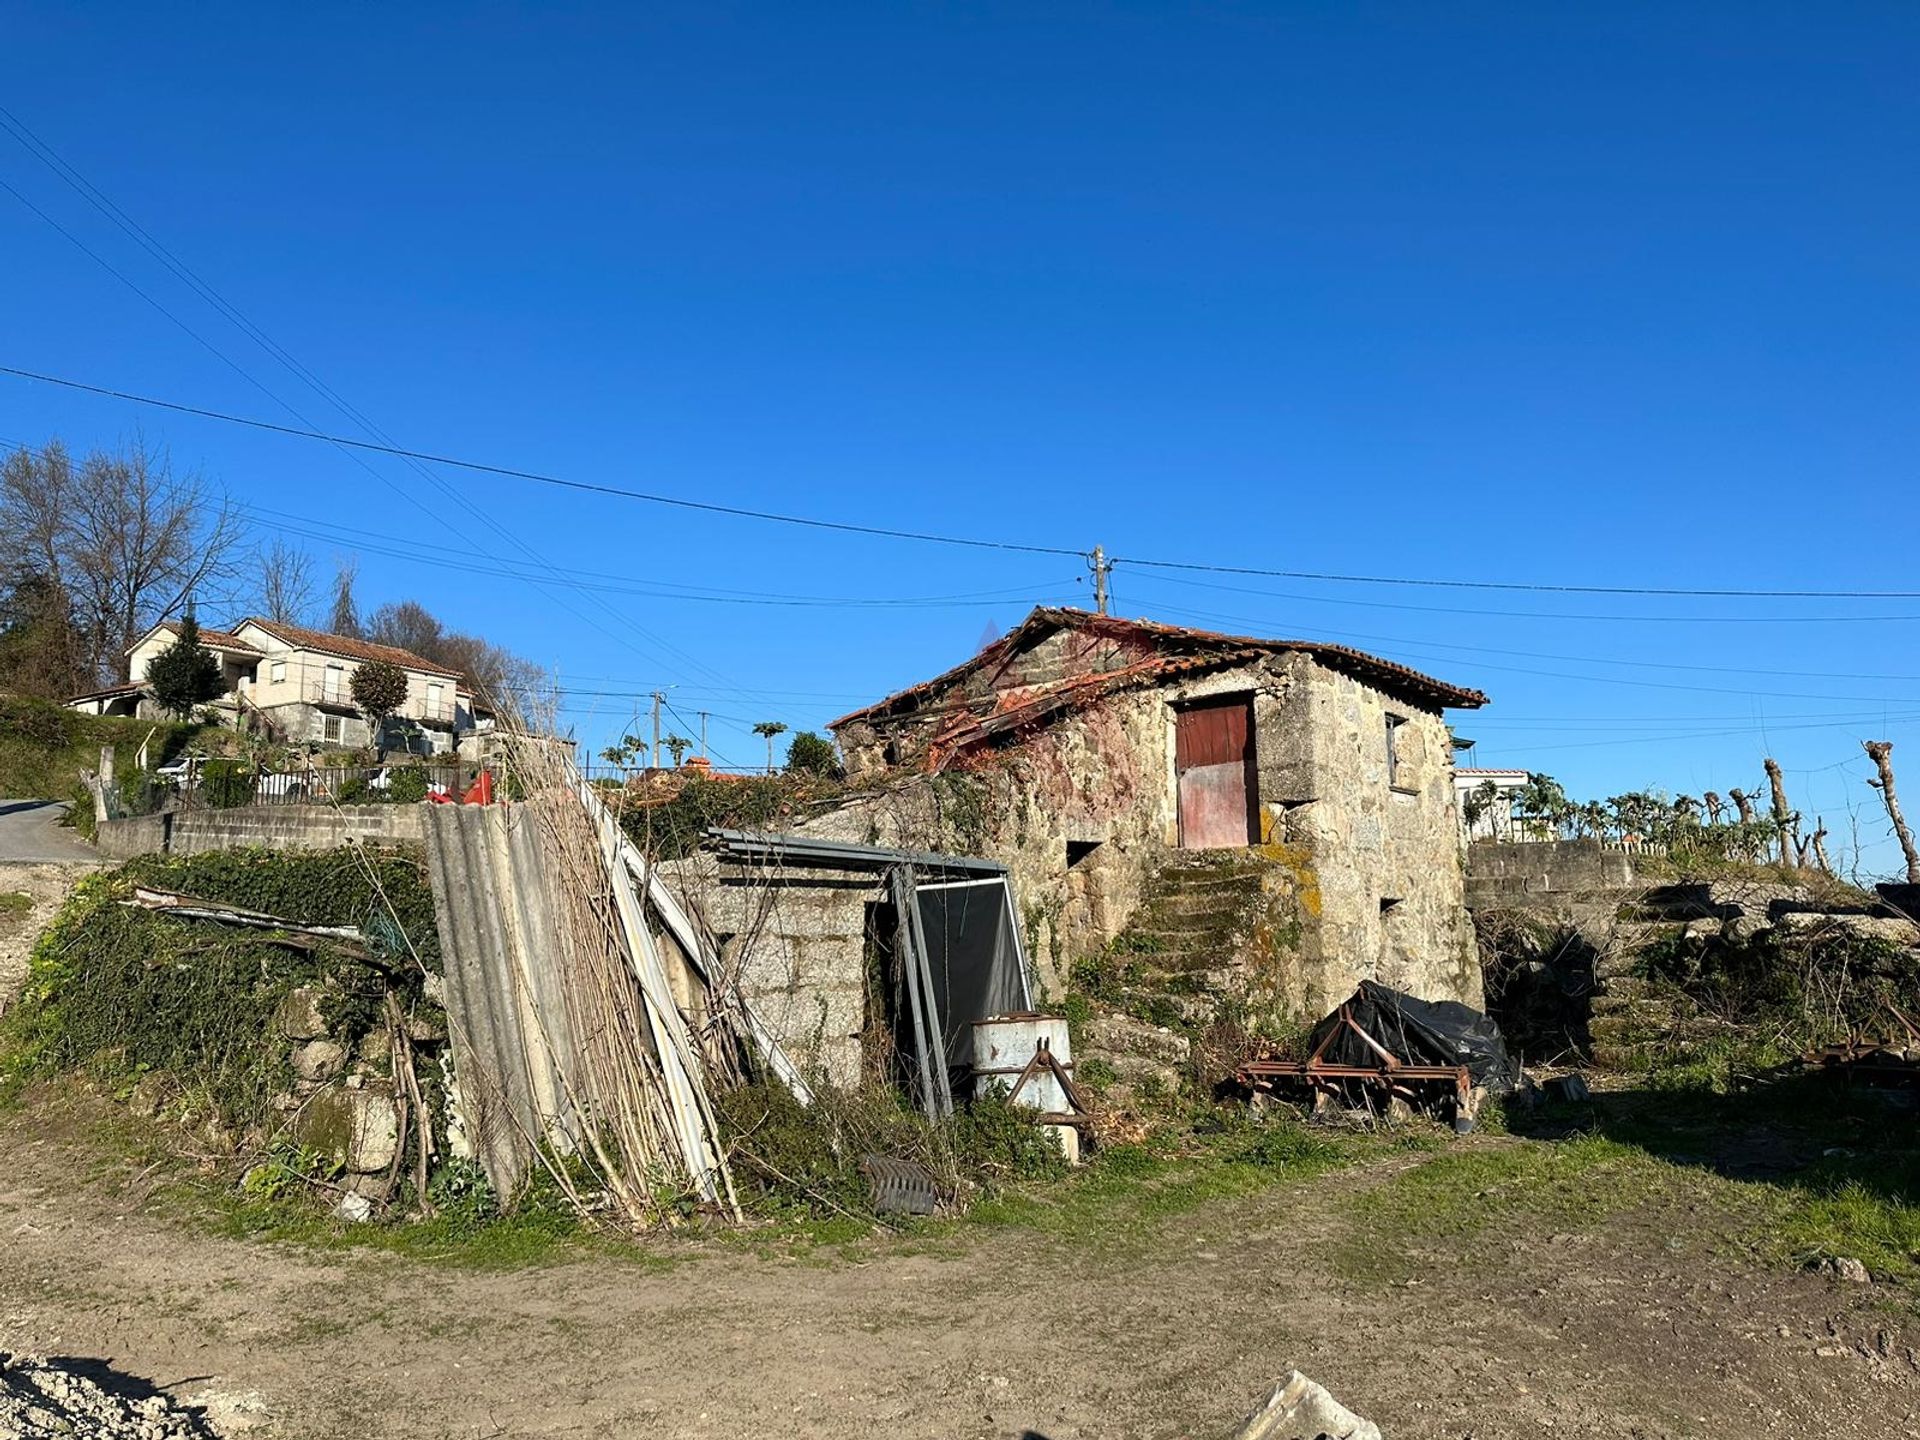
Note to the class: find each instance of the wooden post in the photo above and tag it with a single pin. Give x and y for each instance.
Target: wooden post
(1881, 753)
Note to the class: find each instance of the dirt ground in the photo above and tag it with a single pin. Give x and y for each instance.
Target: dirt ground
(47, 887)
(1638, 1324)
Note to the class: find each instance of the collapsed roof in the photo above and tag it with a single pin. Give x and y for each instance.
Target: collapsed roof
(1170, 650)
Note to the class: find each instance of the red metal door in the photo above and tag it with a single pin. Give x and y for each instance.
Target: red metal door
(1213, 764)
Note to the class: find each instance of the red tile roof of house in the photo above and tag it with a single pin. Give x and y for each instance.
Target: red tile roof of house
(1189, 650)
(212, 639)
(348, 648)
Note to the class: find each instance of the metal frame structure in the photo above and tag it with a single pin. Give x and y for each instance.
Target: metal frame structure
(1415, 1084)
(903, 872)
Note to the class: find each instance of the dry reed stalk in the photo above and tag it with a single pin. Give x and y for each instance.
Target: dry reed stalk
(636, 1079)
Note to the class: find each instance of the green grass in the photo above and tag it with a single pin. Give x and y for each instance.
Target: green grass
(534, 1236)
(1120, 1200)
(15, 906)
(44, 747)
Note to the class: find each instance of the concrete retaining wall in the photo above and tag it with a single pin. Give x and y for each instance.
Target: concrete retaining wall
(274, 827)
(1496, 869)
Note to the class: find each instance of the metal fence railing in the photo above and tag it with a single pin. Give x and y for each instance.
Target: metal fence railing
(199, 784)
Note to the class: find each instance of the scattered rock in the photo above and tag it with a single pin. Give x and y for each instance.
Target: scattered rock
(319, 1060)
(1568, 1088)
(41, 1399)
(355, 1209)
(376, 1131)
(300, 1014)
(1849, 1269)
(149, 1095)
(1302, 1410)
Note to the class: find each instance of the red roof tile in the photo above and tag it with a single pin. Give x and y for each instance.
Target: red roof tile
(348, 648)
(1204, 649)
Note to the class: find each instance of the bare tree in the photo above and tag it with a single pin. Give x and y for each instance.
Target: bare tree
(1743, 803)
(344, 617)
(1881, 753)
(407, 625)
(1714, 806)
(1820, 844)
(124, 538)
(1783, 815)
(285, 588)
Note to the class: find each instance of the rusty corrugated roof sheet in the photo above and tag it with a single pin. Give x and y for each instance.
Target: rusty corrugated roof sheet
(1214, 648)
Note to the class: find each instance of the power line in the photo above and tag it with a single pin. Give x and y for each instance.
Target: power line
(975, 542)
(46, 155)
(1722, 594)
(535, 476)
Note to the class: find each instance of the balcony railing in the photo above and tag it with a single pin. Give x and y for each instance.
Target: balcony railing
(308, 685)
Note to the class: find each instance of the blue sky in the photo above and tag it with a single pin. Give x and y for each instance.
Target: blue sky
(1616, 294)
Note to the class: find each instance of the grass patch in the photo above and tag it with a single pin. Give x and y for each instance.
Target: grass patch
(44, 747)
(532, 1235)
(15, 906)
(1120, 1199)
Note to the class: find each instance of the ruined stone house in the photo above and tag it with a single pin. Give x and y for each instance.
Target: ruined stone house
(1226, 820)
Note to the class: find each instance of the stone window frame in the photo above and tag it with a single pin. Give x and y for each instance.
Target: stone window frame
(1400, 766)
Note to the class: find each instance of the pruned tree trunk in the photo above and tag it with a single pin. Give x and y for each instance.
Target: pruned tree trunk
(1782, 815)
(1714, 806)
(1881, 753)
(1743, 803)
(1820, 845)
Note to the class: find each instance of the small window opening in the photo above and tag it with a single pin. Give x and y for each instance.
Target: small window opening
(1078, 850)
(1396, 771)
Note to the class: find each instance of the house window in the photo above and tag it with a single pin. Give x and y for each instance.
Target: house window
(1399, 776)
(277, 672)
(336, 682)
(434, 691)
(333, 729)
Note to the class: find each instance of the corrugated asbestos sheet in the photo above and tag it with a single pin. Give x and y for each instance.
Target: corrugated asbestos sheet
(511, 1041)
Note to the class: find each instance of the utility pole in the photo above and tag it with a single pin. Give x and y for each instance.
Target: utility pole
(659, 699)
(1101, 567)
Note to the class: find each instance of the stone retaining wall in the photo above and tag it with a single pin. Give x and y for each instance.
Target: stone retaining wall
(274, 827)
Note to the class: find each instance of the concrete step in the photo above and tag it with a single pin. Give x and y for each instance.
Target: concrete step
(1190, 905)
(1119, 1038)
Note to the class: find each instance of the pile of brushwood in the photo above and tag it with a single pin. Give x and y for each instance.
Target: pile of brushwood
(1779, 991)
(237, 1038)
(799, 1162)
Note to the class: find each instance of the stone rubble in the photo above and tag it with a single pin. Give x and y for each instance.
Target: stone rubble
(1299, 1409)
(41, 1399)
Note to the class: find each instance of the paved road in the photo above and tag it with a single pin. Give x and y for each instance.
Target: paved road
(31, 834)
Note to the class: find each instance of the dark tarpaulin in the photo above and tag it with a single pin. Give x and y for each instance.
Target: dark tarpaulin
(1417, 1032)
(973, 958)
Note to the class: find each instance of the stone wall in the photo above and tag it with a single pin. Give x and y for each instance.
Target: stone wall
(799, 940)
(274, 827)
(1084, 813)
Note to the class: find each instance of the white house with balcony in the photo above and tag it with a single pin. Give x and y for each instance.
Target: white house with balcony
(298, 685)
(1485, 800)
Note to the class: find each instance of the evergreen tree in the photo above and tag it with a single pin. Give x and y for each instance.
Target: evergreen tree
(186, 673)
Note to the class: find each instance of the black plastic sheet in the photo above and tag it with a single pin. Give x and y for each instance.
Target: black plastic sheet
(1417, 1032)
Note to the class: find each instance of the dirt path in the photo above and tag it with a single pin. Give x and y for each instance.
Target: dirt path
(46, 888)
(1632, 1328)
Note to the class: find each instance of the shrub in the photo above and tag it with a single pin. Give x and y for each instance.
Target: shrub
(407, 787)
(812, 754)
(226, 783)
